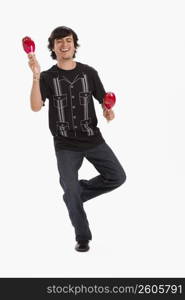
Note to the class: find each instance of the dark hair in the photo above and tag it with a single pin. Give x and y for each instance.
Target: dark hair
(61, 32)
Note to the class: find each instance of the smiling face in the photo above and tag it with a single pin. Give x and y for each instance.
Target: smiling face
(64, 47)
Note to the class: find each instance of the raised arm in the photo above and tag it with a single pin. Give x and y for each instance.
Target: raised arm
(36, 102)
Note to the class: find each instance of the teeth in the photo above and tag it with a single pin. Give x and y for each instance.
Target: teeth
(64, 50)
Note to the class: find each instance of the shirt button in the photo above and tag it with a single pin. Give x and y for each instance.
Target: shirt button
(71, 86)
(75, 126)
(74, 117)
(72, 97)
(74, 106)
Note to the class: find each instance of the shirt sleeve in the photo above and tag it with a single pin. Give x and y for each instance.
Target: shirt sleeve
(43, 87)
(98, 88)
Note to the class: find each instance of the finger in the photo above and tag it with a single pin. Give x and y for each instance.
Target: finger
(31, 57)
(31, 54)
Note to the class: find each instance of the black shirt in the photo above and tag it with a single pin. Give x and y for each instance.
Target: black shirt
(72, 116)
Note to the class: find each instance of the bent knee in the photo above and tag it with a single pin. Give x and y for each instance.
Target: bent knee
(122, 178)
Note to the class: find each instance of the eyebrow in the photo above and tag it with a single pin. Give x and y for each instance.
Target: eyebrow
(63, 38)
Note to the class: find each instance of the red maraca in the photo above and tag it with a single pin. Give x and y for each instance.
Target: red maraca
(28, 45)
(109, 100)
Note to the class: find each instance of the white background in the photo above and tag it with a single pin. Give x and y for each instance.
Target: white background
(138, 49)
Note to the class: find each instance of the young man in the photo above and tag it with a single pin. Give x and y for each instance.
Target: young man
(69, 85)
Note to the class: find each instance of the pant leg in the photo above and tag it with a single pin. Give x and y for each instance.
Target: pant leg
(112, 174)
(69, 162)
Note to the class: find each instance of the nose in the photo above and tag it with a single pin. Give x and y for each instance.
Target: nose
(64, 44)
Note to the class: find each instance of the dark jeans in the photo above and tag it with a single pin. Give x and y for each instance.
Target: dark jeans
(111, 175)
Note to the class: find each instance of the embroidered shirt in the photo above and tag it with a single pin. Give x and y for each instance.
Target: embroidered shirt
(72, 116)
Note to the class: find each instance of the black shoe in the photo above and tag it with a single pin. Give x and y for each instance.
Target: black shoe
(82, 246)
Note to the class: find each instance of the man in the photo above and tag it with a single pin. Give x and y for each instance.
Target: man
(69, 85)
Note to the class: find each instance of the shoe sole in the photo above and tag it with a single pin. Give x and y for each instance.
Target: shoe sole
(81, 250)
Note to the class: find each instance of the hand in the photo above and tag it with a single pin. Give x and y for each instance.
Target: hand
(109, 114)
(33, 63)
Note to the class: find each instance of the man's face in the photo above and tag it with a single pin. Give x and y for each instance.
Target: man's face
(64, 47)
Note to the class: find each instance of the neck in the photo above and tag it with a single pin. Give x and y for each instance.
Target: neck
(66, 64)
